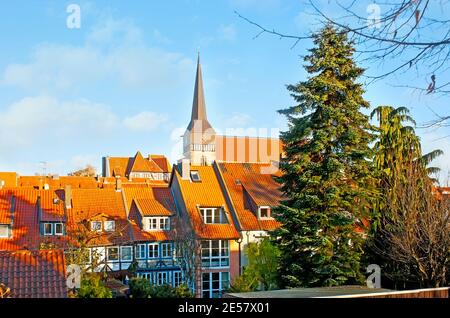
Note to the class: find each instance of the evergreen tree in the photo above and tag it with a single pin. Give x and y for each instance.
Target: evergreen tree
(327, 172)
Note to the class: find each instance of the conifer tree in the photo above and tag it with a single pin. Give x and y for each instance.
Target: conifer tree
(327, 171)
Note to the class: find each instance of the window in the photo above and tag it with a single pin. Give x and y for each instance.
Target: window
(164, 223)
(126, 253)
(195, 176)
(166, 250)
(177, 279)
(264, 212)
(162, 278)
(96, 226)
(140, 251)
(153, 251)
(4, 231)
(213, 284)
(109, 226)
(213, 216)
(48, 229)
(215, 253)
(113, 254)
(158, 223)
(58, 229)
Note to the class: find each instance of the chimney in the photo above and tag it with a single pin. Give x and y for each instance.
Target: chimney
(118, 184)
(68, 196)
(185, 169)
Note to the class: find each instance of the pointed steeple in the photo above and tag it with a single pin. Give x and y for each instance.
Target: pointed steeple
(198, 105)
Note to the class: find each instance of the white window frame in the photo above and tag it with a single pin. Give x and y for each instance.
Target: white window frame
(109, 222)
(5, 226)
(51, 229)
(264, 217)
(122, 248)
(107, 254)
(223, 258)
(139, 249)
(155, 223)
(221, 281)
(152, 245)
(62, 229)
(209, 215)
(96, 222)
(165, 249)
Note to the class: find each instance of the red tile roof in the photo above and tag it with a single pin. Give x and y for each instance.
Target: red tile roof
(123, 166)
(242, 178)
(102, 205)
(8, 179)
(25, 231)
(38, 274)
(207, 193)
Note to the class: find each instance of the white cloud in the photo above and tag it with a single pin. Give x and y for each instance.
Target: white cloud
(114, 50)
(145, 121)
(438, 140)
(237, 120)
(39, 118)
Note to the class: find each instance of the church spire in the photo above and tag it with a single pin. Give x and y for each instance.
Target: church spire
(198, 105)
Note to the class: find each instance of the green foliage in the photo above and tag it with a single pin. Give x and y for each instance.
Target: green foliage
(92, 286)
(328, 177)
(261, 271)
(141, 288)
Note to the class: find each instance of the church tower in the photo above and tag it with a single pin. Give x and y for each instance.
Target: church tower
(199, 141)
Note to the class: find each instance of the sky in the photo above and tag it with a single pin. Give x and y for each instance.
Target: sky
(123, 81)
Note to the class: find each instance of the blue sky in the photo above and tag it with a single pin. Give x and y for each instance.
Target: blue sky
(124, 81)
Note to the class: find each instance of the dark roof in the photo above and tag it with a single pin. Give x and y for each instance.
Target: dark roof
(38, 274)
(316, 292)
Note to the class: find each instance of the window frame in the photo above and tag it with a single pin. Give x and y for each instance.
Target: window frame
(222, 251)
(138, 252)
(153, 250)
(131, 253)
(154, 223)
(62, 229)
(51, 229)
(264, 207)
(108, 254)
(96, 222)
(223, 284)
(6, 226)
(165, 249)
(212, 218)
(113, 222)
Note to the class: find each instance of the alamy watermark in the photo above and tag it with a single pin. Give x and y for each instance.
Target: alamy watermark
(73, 20)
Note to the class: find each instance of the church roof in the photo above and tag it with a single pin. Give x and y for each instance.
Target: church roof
(199, 121)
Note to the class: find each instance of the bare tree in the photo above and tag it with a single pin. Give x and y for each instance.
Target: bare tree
(414, 238)
(188, 252)
(408, 35)
(88, 171)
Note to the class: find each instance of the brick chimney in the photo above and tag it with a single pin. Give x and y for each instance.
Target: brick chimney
(68, 196)
(185, 169)
(118, 184)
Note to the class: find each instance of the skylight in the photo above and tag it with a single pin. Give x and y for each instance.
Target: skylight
(195, 176)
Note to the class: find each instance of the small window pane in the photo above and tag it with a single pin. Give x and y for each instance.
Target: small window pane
(110, 226)
(48, 229)
(126, 253)
(113, 253)
(58, 229)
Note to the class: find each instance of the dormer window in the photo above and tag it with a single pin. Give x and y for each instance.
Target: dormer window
(195, 176)
(109, 226)
(264, 212)
(4, 231)
(53, 229)
(96, 226)
(158, 223)
(213, 216)
(58, 229)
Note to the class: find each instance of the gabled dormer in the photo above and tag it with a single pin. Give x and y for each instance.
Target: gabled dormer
(153, 214)
(260, 207)
(52, 215)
